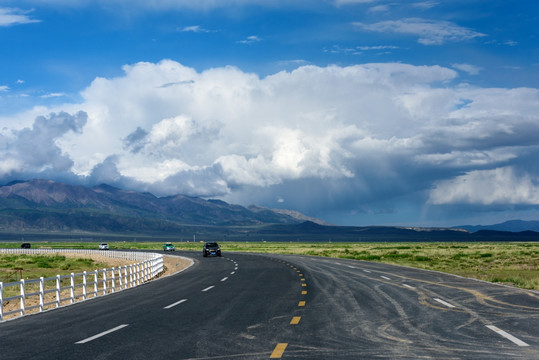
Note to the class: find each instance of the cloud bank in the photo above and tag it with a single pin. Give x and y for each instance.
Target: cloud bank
(315, 139)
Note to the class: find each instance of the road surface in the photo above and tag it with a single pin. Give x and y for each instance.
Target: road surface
(253, 306)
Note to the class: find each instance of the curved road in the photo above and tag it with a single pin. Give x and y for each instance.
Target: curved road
(249, 306)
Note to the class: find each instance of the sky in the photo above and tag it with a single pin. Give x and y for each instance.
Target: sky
(356, 112)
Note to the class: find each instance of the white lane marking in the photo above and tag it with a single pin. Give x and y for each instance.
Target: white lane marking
(208, 288)
(507, 335)
(367, 271)
(232, 273)
(224, 279)
(408, 286)
(235, 268)
(176, 303)
(385, 277)
(444, 303)
(101, 334)
(351, 267)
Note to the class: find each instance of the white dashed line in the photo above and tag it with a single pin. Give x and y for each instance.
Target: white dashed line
(367, 271)
(101, 334)
(385, 277)
(176, 303)
(444, 303)
(408, 286)
(232, 273)
(224, 279)
(507, 336)
(208, 288)
(351, 267)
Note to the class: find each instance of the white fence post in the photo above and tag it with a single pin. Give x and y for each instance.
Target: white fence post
(84, 285)
(95, 284)
(113, 286)
(104, 281)
(72, 298)
(41, 293)
(58, 298)
(23, 295)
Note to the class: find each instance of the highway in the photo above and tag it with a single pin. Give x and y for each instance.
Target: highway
(254, 306)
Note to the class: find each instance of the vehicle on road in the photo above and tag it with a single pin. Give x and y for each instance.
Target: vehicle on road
(25, 246)
(103, 246)
(211, 249)
(168, 247)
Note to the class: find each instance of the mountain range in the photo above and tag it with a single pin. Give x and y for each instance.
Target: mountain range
(53, 206)
(44, 206)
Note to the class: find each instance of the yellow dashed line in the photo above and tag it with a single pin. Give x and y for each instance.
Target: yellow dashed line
(304, 292)
(301, 303)
(278, 351)
(304, 285)
(302, 279)
(295, 320)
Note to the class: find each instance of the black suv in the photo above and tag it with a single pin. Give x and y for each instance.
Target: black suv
(211, 248)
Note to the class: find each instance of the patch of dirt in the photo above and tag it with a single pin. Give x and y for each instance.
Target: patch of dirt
(173, 264)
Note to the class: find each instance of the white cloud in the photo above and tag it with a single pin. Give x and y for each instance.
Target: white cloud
(348, 134)
(425, 4)
(430, 32)
(34, 150)
(10, 17)
(250, 40)
(4, 88)
(470, 69)
(195, 29)
(488, 187)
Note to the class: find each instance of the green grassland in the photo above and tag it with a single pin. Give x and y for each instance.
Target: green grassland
(36, 266)
(512, 263)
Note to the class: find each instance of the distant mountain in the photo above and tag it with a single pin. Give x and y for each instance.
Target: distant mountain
(53, 206)
(511, 225)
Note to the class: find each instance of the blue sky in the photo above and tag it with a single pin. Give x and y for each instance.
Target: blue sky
(358, 112)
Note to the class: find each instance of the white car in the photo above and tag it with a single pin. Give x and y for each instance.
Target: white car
(103, 246)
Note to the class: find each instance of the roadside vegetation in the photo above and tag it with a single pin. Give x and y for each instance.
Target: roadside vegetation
(511, 263)
(13, 267)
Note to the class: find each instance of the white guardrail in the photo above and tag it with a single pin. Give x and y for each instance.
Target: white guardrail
(53, 292)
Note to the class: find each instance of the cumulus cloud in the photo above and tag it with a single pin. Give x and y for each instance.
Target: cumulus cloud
(34, 150)
(487, 187)
(357, 137)
(430, 32)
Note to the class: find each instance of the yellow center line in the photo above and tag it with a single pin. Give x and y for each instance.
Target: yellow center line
(278, 351)
(302, 279)
(301, 303)
(295, 320)
(304, 285)
(304, 292)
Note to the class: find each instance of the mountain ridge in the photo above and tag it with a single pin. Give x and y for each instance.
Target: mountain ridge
(34, 203)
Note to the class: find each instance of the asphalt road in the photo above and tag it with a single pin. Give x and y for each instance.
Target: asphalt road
(245, 306)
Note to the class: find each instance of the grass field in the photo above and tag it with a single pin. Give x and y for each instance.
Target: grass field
(511, 263)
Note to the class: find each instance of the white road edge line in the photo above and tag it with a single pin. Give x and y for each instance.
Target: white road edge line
(208, 288)
(176, 303)
(101, 334)
(224, 279)
(507, 335)
(444, 303)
